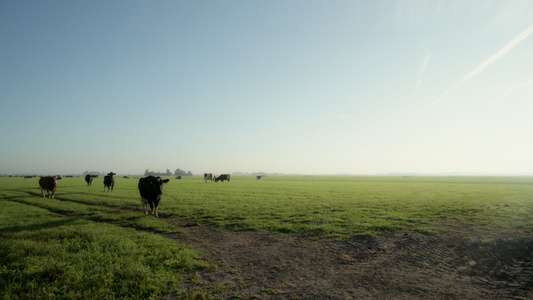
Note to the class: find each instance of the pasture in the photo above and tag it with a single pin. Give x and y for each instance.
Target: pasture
(87, 243)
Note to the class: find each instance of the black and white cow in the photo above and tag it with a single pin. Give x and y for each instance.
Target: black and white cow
(209, 176)
(151, 189)
(223, 177)
(109, 181)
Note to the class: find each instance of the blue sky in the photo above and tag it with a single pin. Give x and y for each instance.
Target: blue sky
(309, 87)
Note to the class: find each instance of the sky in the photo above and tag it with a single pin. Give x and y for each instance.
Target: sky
(293, 87)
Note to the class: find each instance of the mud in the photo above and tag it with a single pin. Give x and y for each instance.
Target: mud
(458, 264)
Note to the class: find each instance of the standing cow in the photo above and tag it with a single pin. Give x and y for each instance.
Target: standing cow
(109, 181)
(89, 179)
(209, 176)
(223, 177)
(49, 184)
(151, 189)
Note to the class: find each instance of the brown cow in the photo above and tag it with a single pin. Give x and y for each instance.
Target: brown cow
(49, 184)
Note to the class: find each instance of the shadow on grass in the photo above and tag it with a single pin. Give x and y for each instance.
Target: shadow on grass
(40, 225)
(125, 218)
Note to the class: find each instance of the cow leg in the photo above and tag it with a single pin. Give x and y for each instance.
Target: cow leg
(156, 215)
(145, 206)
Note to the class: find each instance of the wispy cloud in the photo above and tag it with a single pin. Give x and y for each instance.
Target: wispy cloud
(522, 36)
(517, 87)
(426, 60)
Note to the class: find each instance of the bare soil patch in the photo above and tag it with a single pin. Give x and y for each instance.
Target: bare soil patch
(452, 265)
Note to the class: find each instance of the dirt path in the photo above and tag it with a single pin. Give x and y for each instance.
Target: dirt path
(394, 266)
(463, 263)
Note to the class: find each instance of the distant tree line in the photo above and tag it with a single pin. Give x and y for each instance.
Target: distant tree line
(178, 172)
(93, 173)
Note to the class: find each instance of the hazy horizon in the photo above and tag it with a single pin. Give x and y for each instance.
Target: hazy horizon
(274, 174)
(290, 87)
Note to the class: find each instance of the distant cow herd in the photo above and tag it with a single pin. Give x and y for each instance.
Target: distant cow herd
(150, 187)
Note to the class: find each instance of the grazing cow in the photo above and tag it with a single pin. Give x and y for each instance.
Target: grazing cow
(89, 179)
(209, 176)
(258, 177)
(222, 177)
(109, 181)
(178, 177)
(151, 189)
(49, 184)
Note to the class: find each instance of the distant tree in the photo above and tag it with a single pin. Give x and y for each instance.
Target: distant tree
(180, 172)
(93, 173)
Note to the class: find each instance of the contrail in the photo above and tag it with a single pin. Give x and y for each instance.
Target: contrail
(522, 36)
(426, 60)
(516, 87)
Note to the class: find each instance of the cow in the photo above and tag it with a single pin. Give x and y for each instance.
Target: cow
(258, 177)
(49, 184)
(209, 176)
(89, 179)
(223, 177)
(109, 181)
(151, 189)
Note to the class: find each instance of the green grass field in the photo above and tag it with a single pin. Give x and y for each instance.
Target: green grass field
(92, 244)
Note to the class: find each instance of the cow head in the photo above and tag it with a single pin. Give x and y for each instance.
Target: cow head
(157, 184)
(56, 178)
